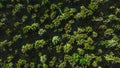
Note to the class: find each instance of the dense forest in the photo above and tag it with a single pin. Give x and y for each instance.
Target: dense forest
(59, 33)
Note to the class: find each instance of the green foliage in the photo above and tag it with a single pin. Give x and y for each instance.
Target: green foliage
(59, 33)
(41, 31)
(55, 40)
(26, 47)
(20, 63)
(43, 58)
(52, 62)
(58, 48)
(86, 60)
(111, 43)
(83, 13)
(94, 34)
(17, 8)
(24, 18)
(33, 27)
(80, 51)
(94, 64)
(8, 31)
(80, 38)
(29, 8)
(8, 65)
(44, 66)
(83, 61)
(2, 24)
(3, 43)
(88, 29)
(32, 65)
(53, 6)
(93, 5)
(44, 2)
(1, 5)
(26, 29)
(75, 57)
(111, 58)
(62, 65)
(109, 31)
(67, 48)
(16, 37)
(87, 46)
(39, 44)
(9, 58)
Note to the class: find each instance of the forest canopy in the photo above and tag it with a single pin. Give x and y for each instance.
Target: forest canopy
(59, 33)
